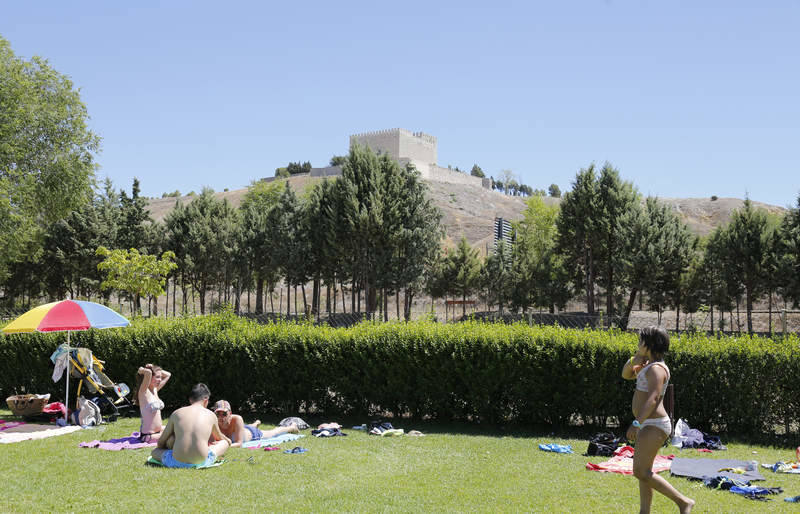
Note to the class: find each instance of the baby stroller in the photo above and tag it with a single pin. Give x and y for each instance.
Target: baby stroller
(110, 397)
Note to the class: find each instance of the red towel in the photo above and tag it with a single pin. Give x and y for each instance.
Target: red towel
(622, 462)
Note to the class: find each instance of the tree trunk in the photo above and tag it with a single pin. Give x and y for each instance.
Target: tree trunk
(288, 300)
(305, 303)
(315, 296)
(589, 283)
(260, 296)
(328, 298)
(713, 328)
(749, 300)
(769, 300)
(397, 303)
(385, 306)
(738, 316)
(344, 305)
(610, 296)
(677, 317)
(628, 308)
(353, 292)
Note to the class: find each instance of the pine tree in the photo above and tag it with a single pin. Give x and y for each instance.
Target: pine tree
(464, 266)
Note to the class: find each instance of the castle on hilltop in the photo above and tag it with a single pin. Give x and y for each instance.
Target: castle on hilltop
(407, 147)
(416, 148)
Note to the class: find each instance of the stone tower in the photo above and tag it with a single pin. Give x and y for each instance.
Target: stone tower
(403, 146)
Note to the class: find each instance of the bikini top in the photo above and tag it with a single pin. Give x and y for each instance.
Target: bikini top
(155, 405)
(641, 378)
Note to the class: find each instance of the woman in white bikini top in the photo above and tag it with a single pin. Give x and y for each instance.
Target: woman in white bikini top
(641, 378)
(150, 379)
(651, 425)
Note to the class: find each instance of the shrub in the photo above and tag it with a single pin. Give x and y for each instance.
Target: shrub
(470, 371)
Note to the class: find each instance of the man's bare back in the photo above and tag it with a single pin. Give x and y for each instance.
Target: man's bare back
(186, 437)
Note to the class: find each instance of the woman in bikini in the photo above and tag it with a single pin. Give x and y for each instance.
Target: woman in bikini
(234, 427)
(149, 380)
(651, 426)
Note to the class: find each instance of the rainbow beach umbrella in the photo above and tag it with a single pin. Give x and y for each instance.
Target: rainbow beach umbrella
(66, 316)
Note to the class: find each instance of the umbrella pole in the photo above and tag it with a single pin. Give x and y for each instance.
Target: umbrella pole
(66, 395)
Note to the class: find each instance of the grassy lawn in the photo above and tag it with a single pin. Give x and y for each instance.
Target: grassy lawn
(453, 468)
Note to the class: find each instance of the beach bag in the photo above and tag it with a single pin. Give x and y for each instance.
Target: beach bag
(88, 413)
(27, 404)
(603, 444)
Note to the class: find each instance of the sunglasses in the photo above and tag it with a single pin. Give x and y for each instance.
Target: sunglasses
(221, 413)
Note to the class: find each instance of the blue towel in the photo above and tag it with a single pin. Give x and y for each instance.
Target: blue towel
(272, 441)
(557, 448)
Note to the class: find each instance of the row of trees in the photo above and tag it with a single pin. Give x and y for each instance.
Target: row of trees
(605, 242)
(374, 230)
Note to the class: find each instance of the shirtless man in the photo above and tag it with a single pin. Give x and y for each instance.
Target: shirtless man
(232, 425)
(192, 427)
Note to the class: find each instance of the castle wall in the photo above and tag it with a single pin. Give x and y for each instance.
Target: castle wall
(439, 174)
(330, 171)
(417, 147)
(381, 141)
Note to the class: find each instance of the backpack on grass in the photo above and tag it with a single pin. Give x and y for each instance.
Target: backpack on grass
(603, 444)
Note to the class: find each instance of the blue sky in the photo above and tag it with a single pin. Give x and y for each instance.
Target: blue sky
(686, 99)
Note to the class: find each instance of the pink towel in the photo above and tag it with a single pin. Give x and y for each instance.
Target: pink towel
(131, 442)
(622, 462)
(5, 425)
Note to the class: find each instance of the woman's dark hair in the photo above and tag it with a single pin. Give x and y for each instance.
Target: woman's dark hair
(140, 378)
(655, 339)
(199, 392)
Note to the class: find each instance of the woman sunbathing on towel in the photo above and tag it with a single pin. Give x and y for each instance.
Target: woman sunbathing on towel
(651, 425)
(149, 380)
(232, 425)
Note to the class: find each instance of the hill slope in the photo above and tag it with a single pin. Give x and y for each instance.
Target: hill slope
(470, 210)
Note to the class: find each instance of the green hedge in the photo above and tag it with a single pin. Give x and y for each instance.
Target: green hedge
(475, 371)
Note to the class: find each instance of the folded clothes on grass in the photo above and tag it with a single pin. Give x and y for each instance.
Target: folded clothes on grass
(271, 441)
(556, 448)
(132, 442)
(301, 425)
(783, 467)
(327, 432)
(297, 449)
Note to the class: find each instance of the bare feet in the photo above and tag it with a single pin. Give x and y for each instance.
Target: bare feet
(256, 423)
(687, 508)
(293, 429)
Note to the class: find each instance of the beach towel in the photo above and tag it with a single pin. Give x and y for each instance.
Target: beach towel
(557, 448)
(622, 462)
(5, 425)
(700, 468)
(131, 442)
(271, 441)
(29, 431)
(153, 462)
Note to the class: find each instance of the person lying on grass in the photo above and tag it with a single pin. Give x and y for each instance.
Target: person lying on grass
(233, 426)
(651, 426)
(184, 442)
